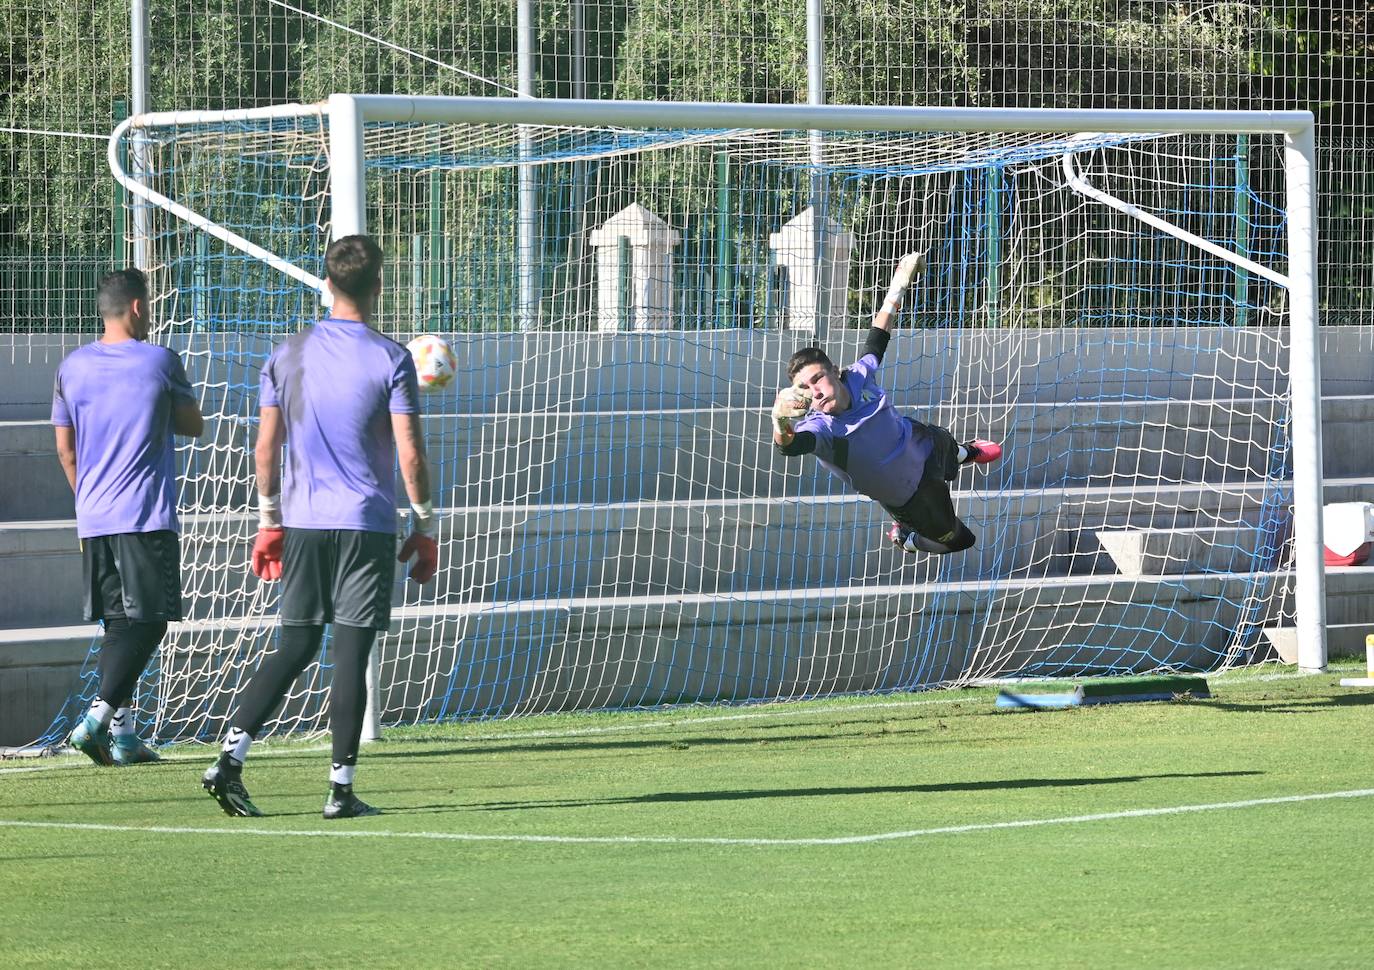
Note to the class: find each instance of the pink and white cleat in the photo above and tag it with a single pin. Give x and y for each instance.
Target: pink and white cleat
(981, 452)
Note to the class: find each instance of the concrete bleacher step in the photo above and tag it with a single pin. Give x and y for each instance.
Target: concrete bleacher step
(643, 548)
(600, 457)
(1166, 552)
(32, 484)
(550, 654)
(1342, 639)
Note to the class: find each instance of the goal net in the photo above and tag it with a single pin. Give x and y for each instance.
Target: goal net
(618, 529)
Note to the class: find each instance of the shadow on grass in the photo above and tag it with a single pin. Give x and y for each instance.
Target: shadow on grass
(478, 746)
(746, 794)
(1300, 705)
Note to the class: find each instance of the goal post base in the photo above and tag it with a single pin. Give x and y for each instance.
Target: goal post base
(1121, 690)
(1357, 681)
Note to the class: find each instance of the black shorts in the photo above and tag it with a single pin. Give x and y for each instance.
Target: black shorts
(337, 576)
(135, 575)
(930, 511)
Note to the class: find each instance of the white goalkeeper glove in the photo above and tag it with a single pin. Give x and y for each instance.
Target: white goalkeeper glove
(910, 265)
(790, 404)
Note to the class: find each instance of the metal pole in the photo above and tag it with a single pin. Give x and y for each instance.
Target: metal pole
(992, 216)
(528, 304)
(138, 161)
(815, 95)
(348, 217)
(1242, 291)
(436, 249)
(1304, 365)
(725, 258)
(121, 197)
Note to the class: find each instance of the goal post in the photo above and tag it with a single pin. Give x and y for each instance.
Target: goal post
(349, 112)
(618, 531)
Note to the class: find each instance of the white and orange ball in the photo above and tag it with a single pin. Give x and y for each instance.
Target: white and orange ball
(435, 365)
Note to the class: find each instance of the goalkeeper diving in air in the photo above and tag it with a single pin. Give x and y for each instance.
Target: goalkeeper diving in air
(848, 422)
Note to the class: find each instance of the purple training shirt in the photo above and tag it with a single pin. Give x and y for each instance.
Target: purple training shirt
(870, 445)
(120, 399)
(337, 383)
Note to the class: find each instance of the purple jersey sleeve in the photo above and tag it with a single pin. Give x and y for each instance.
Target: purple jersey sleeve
(405, 387)
(267, 385)
(866, 367)
(178, 384)
(61, 416)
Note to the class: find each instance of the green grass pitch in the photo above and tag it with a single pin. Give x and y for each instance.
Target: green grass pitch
(921, 830)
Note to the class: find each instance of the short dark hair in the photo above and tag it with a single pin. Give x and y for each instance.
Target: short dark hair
(354, 265)
(805, 358)
(117, 290)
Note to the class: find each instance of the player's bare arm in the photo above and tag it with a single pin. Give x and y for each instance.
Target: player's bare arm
(267, 547)
(420, 544)
(909, 267)
(267, 452)
(66, 452)
(410, 450)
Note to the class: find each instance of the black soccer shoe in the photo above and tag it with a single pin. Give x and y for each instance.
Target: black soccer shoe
(228, 790)
(345, 804)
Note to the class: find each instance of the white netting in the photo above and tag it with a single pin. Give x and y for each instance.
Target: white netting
(617, 527)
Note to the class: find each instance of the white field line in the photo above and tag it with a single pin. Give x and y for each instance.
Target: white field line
(343, 833)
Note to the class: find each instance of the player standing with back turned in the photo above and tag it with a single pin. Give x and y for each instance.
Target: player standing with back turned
(116, 405)
(341, 397)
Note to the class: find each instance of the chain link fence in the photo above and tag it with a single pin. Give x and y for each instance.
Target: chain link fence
(66, 84)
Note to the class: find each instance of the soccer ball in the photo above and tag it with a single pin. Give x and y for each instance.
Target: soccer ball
(434, 362)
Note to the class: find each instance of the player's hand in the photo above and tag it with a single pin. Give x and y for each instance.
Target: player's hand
(267, 554)
(910, 266)
(790, 404)
(426, 553)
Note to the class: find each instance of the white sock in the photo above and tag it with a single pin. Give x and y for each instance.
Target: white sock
(342, 774)
(100, 712)
(236, 745)
(963, 454)
(123, 723)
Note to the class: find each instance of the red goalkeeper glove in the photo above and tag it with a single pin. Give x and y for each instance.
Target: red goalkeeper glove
(267, 554)
(426, 553)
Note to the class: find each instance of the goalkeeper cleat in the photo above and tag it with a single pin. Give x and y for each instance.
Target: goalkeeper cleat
(981, 452)
(227, 789)
(93, 740)
(342, 803)
(129, 749)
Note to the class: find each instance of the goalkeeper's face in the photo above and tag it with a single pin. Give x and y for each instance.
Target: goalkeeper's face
(828, 393)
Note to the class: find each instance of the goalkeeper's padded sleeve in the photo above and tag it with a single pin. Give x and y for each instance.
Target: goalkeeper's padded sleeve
(267, 550)
(802, 443)
(426, 553)
(876, 343)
